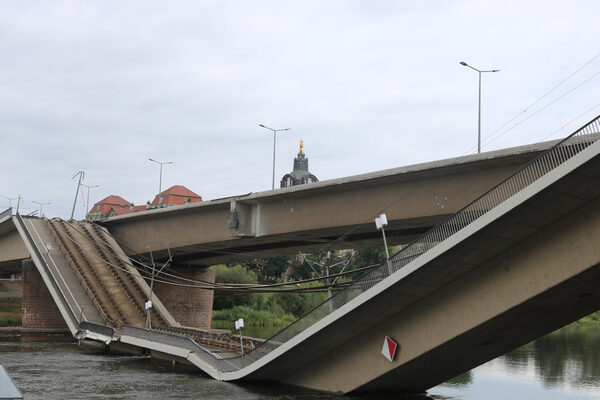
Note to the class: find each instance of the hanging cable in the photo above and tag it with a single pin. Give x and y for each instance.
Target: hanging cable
(230, 287)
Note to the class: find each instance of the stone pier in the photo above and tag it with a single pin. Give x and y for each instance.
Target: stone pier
(189, 306)
(38, 309)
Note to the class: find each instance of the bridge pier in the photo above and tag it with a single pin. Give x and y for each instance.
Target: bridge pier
(38, 309)
(189, 306)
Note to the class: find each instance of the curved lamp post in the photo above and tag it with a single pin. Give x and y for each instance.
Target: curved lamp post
(160, 180)
(41, 206)
(274, 143)
(479, 112)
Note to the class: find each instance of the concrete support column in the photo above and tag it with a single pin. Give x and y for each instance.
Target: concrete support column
(189, 306)
(38, 308)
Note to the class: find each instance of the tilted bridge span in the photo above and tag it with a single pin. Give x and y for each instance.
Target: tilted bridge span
(519, 261)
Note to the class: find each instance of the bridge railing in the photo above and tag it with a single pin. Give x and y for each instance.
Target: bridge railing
(6, 214)
(525, 176)
(72, 315)
(82, 318)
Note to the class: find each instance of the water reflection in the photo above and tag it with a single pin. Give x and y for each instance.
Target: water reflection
(563, 364)
(569, 356)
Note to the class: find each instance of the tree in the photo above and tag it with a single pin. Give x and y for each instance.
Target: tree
(236, 274)
(368, 256)
(269, 269)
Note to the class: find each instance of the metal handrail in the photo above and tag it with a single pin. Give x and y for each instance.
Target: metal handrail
(67, 305)
(180, 341)
(74, 267)
(525, 176)
(6, 213)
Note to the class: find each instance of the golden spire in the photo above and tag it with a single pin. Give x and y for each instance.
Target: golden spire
(301, 152)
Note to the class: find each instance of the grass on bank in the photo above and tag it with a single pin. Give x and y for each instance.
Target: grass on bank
(10, 311)
(224, 318)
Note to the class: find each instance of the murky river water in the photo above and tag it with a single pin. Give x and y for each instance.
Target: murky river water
(564, 365)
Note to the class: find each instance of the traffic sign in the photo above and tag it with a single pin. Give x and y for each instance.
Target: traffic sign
(389, 348)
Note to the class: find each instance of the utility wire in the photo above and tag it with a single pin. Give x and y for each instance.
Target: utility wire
(526, 109)
(544, 107)
(228, 287)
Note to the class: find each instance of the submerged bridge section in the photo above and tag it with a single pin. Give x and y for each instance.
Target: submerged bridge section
(521, 260)
(96, 288)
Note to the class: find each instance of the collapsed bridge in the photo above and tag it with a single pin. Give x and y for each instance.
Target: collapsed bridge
(519, 261)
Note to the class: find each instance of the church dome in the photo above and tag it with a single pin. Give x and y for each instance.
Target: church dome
(300, 173)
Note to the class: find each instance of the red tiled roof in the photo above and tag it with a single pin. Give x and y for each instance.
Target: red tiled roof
(116, 205)
(112, 201)
(175, 196)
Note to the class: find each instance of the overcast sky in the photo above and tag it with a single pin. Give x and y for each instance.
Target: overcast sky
(368, 85)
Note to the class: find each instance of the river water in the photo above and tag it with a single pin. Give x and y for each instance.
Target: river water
(562, 365)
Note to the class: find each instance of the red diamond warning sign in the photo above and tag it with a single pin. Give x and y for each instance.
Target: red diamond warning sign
(389, 348)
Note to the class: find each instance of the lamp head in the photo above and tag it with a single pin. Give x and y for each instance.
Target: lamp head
(464, 63)
(383, 219)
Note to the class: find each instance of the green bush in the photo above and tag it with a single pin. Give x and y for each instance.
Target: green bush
(10, 311)
(12, 320)
(229, 299)
(297, 304)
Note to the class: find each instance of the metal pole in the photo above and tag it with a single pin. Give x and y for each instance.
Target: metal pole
(160, 176)
(241, 344)
(81, 175)
(479, 105)
(148, 319)
(87, 204)
(387, 253)
(479, 118)
(274, 145)
(274, 148)
(160, 181)
(328, 289)
(10, 199)
(41, 207)
(18, 203)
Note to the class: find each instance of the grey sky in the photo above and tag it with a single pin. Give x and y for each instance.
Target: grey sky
(368, 85)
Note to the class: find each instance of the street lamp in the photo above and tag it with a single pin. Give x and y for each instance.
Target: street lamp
(41, 205)
(10, 199)
(160, 181)
(87, 206)
(274, 143)
(380, 223)
(479, 113)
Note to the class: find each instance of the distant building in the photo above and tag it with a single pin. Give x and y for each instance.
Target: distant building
(175, 196)
(300, 174)
(116, 205)
(111, 206)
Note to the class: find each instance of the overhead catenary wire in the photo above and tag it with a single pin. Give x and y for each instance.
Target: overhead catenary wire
(571, 121)
(546, 106)
(232, 287)
(254, 255)
(526, 109)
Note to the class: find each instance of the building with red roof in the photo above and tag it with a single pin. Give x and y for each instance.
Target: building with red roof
(175, 196)
(116, 205)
